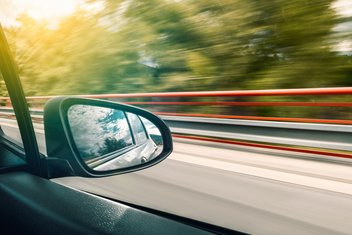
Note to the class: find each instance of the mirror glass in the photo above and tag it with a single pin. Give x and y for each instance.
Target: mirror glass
(110, 139)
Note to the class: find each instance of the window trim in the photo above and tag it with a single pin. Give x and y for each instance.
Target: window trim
(10, 74)
(135, 134)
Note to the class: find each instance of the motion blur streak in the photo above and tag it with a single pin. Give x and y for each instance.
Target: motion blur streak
(246, 60)
(128, 46)
(240, 188)
(243, 188)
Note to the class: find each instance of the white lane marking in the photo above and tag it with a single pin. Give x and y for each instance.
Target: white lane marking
(303, 164)
(255, 171)
(308, 181)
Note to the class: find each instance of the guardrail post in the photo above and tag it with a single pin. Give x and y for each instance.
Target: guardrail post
(8, 103)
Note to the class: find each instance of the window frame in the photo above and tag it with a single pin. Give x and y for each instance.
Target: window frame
(135, 134)
(9, 71)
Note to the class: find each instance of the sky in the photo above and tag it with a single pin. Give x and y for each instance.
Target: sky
(343, 7)
(51, 11)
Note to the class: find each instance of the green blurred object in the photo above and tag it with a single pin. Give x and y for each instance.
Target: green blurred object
(185, 45)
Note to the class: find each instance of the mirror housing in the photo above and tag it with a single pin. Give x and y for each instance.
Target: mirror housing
(64, 158)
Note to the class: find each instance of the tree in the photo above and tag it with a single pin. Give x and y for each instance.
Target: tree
(134, 46)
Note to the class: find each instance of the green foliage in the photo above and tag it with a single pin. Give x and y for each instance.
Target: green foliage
(169, 45)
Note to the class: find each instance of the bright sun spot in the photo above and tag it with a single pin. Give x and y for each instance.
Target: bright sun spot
(343, 7)
(51, 11)
(48, 9)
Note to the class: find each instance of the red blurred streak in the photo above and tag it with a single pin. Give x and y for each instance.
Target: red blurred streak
(325, 104)
(276, 92)
(282, 119)
(340, 155)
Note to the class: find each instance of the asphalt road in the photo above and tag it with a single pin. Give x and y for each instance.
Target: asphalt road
(243, 189)
(239, 189)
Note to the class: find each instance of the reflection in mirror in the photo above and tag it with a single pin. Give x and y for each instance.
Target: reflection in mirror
(153, 132)
(110, 139)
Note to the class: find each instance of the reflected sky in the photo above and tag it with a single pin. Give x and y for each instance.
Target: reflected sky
(95, 129)
(151, 128)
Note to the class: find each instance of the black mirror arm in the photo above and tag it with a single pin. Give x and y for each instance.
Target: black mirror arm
(58, 167)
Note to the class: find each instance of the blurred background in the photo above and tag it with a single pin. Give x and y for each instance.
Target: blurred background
(271, 164)
(128, 46)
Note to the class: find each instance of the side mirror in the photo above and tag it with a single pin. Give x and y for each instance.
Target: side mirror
(93, 138)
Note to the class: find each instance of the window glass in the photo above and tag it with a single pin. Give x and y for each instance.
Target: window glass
(152, 131)
(8, 121)
(137, 128)
(98, 131)
(245, 55)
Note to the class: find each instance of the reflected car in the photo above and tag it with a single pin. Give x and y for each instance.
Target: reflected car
(108, 139)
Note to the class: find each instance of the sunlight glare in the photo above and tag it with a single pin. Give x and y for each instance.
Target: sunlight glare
(48, 9)
(343, 7)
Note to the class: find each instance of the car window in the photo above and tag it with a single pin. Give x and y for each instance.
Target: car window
(257, 95)
(152, 131)
(138, 128)
(8, 121)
